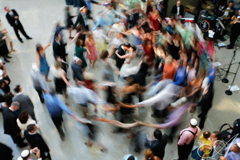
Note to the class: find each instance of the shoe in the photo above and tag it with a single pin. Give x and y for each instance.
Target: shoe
(21, 40)
(170, 139)
(229, 47)
(70, 37)
(6, 60)
(154, 116)
(222, 39)
(8, 56)
(29, 37)
(22, 145)
(103, 150)
(200, 115)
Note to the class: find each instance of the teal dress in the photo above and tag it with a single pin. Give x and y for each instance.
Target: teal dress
(44, 68)
(79, 53)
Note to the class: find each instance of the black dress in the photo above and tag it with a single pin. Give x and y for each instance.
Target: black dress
(3, 46)
(69, 22)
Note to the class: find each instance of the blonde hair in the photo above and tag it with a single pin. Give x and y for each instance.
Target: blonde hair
(58, 65)
(169, 59)
(148, 154)
(89, 34)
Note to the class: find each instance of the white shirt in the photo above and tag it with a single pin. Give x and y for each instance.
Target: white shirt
(56, 72)
(178, 10)
(22, 126)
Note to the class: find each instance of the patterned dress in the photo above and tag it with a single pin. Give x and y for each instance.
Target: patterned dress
(92, 49)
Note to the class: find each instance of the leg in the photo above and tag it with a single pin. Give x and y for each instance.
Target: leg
(39, 91)
(11, 45)
(33, 116)
(17, 34)
(203, 115)
(94, 61)
(46, 78)
(17, 139)
(84, 110)
(23, 31)
(70, 33)
(182, 152)
(58, 123)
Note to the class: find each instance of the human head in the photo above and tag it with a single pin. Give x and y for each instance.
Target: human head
(133, 48)
(79, 42)
(67, 9)
(239, 12)
(206, 134)
(17, 88)
(23, 117)
(58, 65)
(230, 4)
(7, 9)
(1, 63)
(31, 128)
(15, 105)
(25, 155)
(157, 134)
(148, 154)
(131, 157)
(90, 35)
(216, 135)
(178, 2)
(39, 48)
(99, 27)
(7, 98)
(222, 158)
(83, 9)
(104, 54)
(193, 123)
(126, 45)
(235, 148)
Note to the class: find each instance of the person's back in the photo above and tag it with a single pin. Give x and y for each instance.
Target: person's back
(77, 71)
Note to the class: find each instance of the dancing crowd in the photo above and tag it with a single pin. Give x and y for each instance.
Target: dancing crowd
(148, 60)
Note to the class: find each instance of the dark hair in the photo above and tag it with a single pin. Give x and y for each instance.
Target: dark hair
(218, 135)
(131, 157)
(17, 88)
(8, 99)
(230, 2)
(99, 26)
(23, 117)
(78, 42)
(134, 48)
(38, 46)
(127, 44)
(67, 9)
(30, 127)
(157, 134)
(104, 54)
(206, 134)
(5, 7)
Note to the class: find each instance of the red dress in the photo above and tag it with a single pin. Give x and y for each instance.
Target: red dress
(93, 52)
(149, 52)
(156, 24)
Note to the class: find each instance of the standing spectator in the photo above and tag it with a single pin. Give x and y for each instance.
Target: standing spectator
(25, 155)
(13, 19)
(5, 152)
(186, 139)
(10, 124)
(39, 83)
(35, 140)
(42, 61)
(8, 39)
(24, 102)
(24, 120)
(148, 154)
(4, 76)
(3, 47)
(177, 10)
(158, 144)
(69, 23)
(234, 152)
(82, 18)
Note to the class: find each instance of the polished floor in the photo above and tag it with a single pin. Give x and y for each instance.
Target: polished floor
(38, 18)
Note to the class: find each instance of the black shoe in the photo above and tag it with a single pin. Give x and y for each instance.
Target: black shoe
(170, 139)
(222, 39)
(29, 37)
(6, 60)
(22, 145)
(137, 149)
(229, 47)
(155, 116)
(103, 150)
(200, 115)
(8, 56)
(21, 40)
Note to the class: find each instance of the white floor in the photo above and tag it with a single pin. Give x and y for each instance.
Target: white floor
(38, 18)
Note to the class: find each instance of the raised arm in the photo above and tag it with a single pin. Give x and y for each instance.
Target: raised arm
(117, 123)
(46, 46)
(65, 79)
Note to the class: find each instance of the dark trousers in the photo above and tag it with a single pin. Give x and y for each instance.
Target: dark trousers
(58, 123)
(40, 93)
(33, 116)
(234, 34)
(203, 115)
(45, 156)
(17, 139)
(20, 28)
(185, 150)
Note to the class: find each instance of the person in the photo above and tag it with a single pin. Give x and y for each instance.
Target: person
(177, 10)
(10, 124)
(148, 155)
(8, 39)
(39, 83)
(24, 102)
(60, 79)
(234, 153)
(4, 75)
(6, 101)
(69, 22)
(108, 67)
(24, 120)
(122, 49)
(77, 70)
(90, 45)
(155, 18)
(82, 18)
(5, 152)
(100, 39)
(42, 61)
(186, 139)
(158, 144)
(79, 50)
(3, 47)
(25, 154)
(130, 157)
(35, 140)
(235, 32)
(13, 19)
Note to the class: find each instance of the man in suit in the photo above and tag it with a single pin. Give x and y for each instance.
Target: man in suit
(177, 10)
(24, 101)
(13, 19)
(10, 124)
(35, 140)
(235, 31)
(159, 144)
(77, 70)
(82, 19)
(121, 50)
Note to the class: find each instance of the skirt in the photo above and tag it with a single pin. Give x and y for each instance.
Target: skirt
(60, 85)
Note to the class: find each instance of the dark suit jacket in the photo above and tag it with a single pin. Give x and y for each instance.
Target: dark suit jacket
(36, 140)
(11, 20)
(5, 152)
(77, 72)
(9, 122)
(119, 61)
(59, 50)
(158, 147)
(174, 10)
(25, 103)
(80, 21)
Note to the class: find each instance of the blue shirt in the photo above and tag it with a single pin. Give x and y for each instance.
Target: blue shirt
(180, 76)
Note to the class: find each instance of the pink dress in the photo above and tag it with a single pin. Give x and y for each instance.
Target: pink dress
(93, 52)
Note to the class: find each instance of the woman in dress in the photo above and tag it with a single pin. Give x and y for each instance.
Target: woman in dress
(3, 47)
(79, 50)
(108, 67)
(8, 39)
(42, 61)
(60, 79)
(69, 22)
(90, 45)
(154, 17)
(100, 38)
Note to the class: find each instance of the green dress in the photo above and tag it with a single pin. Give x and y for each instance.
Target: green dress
(79, 53)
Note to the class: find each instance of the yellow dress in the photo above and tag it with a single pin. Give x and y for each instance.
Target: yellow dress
(205, 143)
